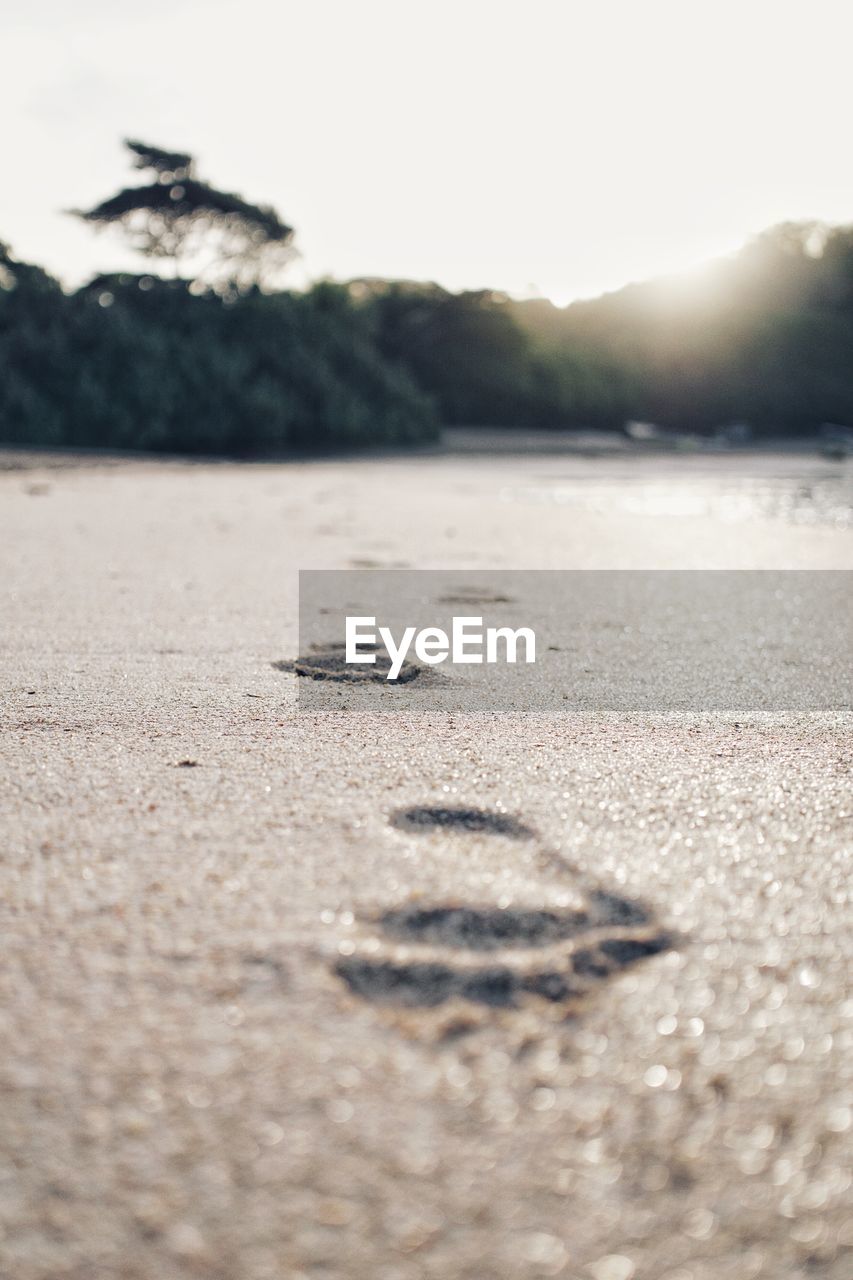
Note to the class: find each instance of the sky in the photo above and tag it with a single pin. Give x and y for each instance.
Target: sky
(549, 147)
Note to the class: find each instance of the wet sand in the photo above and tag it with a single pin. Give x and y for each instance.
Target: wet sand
(425, 996)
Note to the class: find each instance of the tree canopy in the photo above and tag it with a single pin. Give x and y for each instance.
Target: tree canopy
(226, 242)
(761, 343)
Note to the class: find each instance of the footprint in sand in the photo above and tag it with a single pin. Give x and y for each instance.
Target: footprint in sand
(475, 596)
(328, 662)
(425, 819)
(493, 956)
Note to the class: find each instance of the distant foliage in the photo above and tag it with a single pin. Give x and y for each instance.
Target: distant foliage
(484, 364)
(142, 363)
(765, 337)
(230, 243)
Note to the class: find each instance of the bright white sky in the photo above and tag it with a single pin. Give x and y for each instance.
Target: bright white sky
(554, 146)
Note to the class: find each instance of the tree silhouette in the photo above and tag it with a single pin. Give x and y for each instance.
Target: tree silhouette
(231, 243)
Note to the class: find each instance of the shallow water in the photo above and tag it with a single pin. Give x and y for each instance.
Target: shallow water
(826, 499)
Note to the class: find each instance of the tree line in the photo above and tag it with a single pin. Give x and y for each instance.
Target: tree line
(763, 339)
(216, 356)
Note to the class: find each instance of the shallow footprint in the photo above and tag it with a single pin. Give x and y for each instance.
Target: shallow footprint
(475, 596)
(329, 663)
(425, 818)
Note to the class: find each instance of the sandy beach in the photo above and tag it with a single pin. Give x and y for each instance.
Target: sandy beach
(249, 1031)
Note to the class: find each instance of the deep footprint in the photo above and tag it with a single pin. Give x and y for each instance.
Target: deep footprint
(427, 984)
(422, 819)
(489, 928)
(482, 928)
(612, 934)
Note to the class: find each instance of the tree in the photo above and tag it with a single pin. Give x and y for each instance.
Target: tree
(176, 216)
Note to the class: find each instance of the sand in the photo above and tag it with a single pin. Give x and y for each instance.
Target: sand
(192, 1086)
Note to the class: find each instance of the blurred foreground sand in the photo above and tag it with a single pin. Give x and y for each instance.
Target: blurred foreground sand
(188, 1088)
